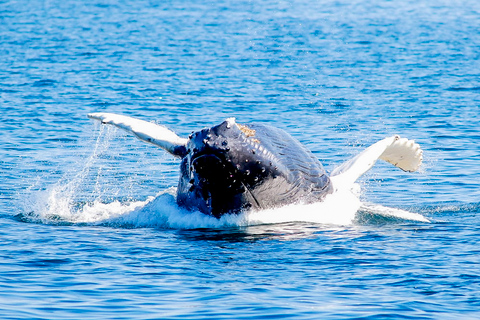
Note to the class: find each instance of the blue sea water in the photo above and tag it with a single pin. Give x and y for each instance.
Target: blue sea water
(89, 225)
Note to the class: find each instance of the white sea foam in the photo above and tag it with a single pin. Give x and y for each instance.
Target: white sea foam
(339, 208)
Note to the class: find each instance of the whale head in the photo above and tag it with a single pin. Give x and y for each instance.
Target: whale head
(223, 169)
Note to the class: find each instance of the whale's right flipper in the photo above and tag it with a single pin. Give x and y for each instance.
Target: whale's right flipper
(402, 153)
(146, 131)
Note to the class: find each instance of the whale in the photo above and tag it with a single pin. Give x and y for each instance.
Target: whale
(231, 167)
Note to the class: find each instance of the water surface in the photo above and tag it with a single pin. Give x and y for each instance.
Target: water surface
(89, 225)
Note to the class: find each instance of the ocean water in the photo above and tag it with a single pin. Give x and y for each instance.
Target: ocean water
(89, 224)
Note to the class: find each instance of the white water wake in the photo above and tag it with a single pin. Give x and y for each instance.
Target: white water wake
(339, 208)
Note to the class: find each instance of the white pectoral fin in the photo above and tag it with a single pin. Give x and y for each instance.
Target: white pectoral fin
(402, 153)
(145, 131)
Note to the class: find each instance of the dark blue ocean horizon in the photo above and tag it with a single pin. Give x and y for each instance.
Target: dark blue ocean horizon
(89, 224)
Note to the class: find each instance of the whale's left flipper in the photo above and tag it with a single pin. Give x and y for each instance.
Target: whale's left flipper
(402, 153)
(146, 131)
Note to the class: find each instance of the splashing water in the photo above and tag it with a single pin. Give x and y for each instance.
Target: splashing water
(60, 204)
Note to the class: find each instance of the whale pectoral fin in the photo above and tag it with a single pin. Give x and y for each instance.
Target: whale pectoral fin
(402, 153)
(146, 131)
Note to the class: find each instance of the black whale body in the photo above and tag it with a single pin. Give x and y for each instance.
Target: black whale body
(231, 167)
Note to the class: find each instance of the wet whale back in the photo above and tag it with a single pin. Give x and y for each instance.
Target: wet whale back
(301, 177)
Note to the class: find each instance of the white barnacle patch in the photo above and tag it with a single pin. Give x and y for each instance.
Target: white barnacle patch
(249, 133)
(246, 130)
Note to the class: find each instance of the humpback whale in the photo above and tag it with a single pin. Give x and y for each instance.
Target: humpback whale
(233, 167)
